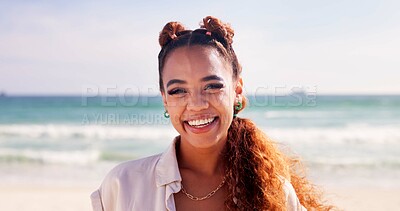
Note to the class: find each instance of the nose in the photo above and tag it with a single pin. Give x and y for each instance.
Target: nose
(197, 102)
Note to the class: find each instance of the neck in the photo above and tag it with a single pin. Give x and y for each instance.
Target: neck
(204, 161)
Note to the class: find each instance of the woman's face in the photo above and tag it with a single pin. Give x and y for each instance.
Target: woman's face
(199, 94)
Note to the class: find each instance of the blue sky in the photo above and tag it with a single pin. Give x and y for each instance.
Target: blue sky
(328, 47)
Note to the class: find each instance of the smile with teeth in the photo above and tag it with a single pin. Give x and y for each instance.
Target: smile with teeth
(198, 123)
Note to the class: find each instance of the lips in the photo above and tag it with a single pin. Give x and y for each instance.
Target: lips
(201, 122)
(201, 125)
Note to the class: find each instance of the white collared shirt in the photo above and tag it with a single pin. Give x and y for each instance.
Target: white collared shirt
(150, 183)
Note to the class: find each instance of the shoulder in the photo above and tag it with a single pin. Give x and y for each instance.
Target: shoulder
(125, 182)
(126, 171)
(292, 201)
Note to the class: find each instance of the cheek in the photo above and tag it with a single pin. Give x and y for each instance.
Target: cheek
(229, 97)
(175, 109)
(223, 102)
(175, 103)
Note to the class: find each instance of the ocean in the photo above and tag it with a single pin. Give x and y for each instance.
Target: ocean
(346, 140)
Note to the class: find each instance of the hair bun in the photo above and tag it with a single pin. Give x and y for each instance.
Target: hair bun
(169, 31)
(214, 25)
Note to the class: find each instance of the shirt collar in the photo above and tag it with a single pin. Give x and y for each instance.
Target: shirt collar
(167, 170)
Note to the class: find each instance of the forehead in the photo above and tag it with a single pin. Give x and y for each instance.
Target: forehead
(195, 62)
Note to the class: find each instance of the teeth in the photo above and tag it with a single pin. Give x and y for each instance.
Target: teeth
(200, 121)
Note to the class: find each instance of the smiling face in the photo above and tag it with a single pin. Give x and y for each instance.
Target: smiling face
(199, 95)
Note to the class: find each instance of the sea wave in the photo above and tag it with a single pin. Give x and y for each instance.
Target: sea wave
(80, 157)
(65, 157)
(329, 114)
(95, 132)
(302, 114)
(349, 134)
(354, 145)
(352, 133)
(375, 162)
(92, 156)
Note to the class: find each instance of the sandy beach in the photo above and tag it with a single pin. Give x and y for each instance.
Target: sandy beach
(364, 198)
(37, 198)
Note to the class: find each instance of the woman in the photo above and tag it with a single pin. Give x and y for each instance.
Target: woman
(219, 161)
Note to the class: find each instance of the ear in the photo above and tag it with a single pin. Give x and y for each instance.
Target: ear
(164, 99)
(239, 86)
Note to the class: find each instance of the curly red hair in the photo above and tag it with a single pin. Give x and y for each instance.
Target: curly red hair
(255, 167)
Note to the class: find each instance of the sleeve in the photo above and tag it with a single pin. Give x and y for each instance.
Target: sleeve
(107, 197)
(96, 201)
(292, 202)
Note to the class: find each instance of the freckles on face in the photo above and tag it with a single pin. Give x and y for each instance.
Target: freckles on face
(198, 86)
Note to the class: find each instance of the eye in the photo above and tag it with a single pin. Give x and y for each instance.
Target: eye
(176, 91)
(214, 86)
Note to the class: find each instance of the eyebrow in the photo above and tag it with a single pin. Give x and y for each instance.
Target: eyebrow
(212, 77)
(175, 81)
(207, 78)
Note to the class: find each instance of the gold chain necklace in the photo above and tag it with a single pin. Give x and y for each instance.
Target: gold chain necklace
(195, 198)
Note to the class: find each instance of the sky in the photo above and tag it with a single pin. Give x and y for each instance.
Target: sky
(111, 47)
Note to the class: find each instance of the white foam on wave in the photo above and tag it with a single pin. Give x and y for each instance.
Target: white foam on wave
(95, 132)
(354, 161)
(79, 157)
(311, 114)
(302, 114)
(352, 133)
(360, 146)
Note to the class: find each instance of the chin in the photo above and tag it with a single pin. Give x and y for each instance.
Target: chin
(204, 132)
(204, 142)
